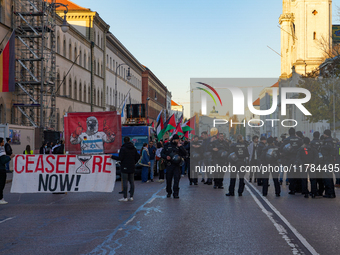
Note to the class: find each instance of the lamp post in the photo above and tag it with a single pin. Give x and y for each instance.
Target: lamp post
(128, 77)
(147, 104)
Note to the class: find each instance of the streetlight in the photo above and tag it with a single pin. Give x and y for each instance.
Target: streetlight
(128, 77)
(147, 104)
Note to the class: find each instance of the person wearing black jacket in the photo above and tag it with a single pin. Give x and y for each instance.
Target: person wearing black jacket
(4, 159)
(173, 152)
(220, 149)
(128, 157)
(195, 159)
(43, 148)
(329, 152)
(269, 157)
(307, 155)
(289, 157)
(9, 151)
(260, 147)
(317, 143)
(241, 151)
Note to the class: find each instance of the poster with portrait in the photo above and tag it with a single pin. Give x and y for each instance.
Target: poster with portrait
(92, 133)
(14, 134)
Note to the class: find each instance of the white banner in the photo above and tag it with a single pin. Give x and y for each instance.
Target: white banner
(63, 173)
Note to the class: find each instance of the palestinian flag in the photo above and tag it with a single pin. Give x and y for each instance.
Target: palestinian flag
(170, 124)
(178, 129)
(189, 125)
(160, 129)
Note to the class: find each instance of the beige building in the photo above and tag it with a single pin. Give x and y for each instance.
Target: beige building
(94, 71)
(306, 30)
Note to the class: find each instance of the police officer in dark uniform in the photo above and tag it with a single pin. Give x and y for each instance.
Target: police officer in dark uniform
(329, 152)
(307, 155)
(186, 146)
(240, 150)
(220, 149)
(173, 152)
(195, 148)
(316, 143)
(205, 153)
(269, 157)
(289, 149)
(262, 144)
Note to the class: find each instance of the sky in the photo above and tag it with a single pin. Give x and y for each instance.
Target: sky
(182, 39)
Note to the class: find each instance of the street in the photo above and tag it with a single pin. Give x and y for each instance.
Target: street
(202, 221)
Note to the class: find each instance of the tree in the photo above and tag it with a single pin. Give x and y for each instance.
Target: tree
(323, 83)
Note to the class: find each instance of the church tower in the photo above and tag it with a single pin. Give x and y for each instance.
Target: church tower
(306, 30)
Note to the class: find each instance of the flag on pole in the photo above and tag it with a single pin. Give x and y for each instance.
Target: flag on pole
(160, 129)
(170, 123)
(190, 125)
(7, 65)
(122, 114)
(159, 115)
(178, 129)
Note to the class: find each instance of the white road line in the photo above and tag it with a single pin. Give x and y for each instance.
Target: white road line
(295, 232)
(130, 220)
(6, 220)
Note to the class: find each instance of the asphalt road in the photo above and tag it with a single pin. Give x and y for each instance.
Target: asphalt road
(202, 221)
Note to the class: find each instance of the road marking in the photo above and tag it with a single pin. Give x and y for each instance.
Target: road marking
(110, 245)
(130, 220)
(7, 220)
(295, 232)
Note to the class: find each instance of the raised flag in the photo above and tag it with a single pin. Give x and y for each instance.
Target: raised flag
(189, 125)
(7, 65)
(170, 123)
(160, 129)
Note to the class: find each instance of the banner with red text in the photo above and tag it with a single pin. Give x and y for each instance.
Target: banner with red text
(63, 173)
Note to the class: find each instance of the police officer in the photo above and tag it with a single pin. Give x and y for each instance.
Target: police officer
(220, 149)
(262, 144)
(240, 150)
(316, 143)
(173, 153)
(253, 155)
(195, 148)
(289, 149)
(328, 150)
(269, 157)
(306, 157)
(205, 153)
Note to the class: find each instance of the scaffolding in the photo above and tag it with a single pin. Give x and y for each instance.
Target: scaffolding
(35, 23)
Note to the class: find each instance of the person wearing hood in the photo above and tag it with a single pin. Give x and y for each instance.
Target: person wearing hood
(128, 157)
(4, 159)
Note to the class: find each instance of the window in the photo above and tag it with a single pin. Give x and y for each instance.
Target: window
(101, 68)
(89, 62)
(85, 93)
(314, 36)
(58, 83)
(70, 51)
(75, 53)
(98, 102)
(70, 88)
(84, 59)
(64, 85)
(98, 69)
(110, 96)
(111, 63)
(94, 67)
(94, 96)
(80, 91)
(80, 58)
(89, 95)
(58, 44)
(101, 98)
(107, 60)
(75, 89)
(64, 48)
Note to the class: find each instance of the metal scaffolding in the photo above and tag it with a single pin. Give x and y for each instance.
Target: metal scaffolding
(35, 23)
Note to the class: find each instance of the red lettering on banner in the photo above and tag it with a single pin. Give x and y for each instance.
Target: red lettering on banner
(40, 160)
(106, 164)
(49, 162)
(95, 163)
(16, 164)
(59, 163)
(68, 163)
(28, 162)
